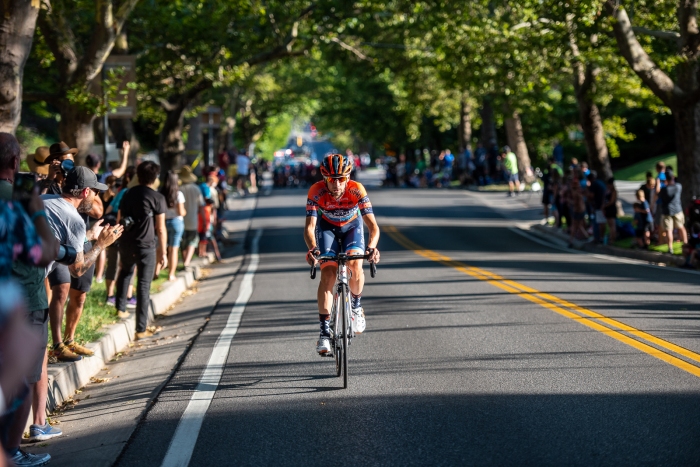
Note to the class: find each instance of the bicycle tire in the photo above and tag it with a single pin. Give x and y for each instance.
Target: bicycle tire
(337, 349)
(346, 332)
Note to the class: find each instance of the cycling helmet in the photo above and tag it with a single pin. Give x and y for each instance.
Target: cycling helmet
(336, 165)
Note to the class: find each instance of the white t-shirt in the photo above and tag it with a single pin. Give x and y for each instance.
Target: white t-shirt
(242, 163)
(171, 213)
(66, 223)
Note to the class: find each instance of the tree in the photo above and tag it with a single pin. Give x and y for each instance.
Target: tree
(682, 94)
(17, 24)
(77, 56)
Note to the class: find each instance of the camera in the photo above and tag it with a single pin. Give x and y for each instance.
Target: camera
(66, 166)
(66, 255)
(127, 222)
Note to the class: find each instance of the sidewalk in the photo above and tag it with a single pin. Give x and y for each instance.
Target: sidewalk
(72, 384)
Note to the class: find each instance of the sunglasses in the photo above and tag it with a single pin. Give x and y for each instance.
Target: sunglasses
(339, 179)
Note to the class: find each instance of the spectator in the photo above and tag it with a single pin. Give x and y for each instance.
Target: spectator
(610, 209)
(648, 188)
(644, 221)
(37, 161)
(243, 165)
(448, 164)
(58, 154)
(578, 210)
(596, 197)
(691, 250)
(672, 210)
(194, 202)
(558, 154)
(113, 250)
(79, 199)
(174, 220)
(94, 162)
(584, 168)
(27, 246)
(510, 162)
(142, 211)
(547, 189)
(20, 348)
(656, 202)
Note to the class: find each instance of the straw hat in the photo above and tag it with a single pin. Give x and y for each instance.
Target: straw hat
(186, 175)
(37, 161)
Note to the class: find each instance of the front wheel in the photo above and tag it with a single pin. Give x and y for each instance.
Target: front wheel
(345, 317)
(336, 328)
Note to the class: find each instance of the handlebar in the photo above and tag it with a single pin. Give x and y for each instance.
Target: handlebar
(343, 257)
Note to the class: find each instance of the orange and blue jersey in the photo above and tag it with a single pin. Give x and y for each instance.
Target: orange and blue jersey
(338, 211)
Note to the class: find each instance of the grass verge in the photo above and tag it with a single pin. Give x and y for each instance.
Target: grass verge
(637, 172)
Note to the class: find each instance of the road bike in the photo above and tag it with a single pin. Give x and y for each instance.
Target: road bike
(341, 312)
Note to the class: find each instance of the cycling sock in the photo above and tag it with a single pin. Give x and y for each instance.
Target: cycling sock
(355, 300)
(325, 324)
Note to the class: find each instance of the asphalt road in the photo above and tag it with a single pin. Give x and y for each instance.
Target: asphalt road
(482, 347)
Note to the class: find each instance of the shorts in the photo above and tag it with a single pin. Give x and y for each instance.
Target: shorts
(642, 229)
(511, 177)
(189, 239)
(39, 322)
(176, 229)
(61, 275)
(332, 239)
(675, 221)
(599, 217)
(546, 197)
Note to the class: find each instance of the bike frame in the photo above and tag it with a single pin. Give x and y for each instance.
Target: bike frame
(341, 327)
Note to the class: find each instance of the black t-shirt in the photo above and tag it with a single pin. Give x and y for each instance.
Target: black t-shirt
(597, 188)
(142, 204)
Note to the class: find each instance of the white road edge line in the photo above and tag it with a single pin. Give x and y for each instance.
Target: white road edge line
(185, 437)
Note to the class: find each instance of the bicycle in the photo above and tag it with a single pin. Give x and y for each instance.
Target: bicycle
(341, 313)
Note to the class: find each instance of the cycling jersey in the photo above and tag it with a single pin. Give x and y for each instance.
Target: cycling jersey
(338, 211)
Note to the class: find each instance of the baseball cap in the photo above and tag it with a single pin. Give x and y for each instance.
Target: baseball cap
(82, 177)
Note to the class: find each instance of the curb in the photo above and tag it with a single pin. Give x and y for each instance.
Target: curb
(546, 233)
(65, 378)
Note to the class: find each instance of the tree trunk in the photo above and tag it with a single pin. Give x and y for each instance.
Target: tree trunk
(688, 150)
(170, 145)
(594, 137)
(75, 129)
(516, 141)
(17, 24)
(465, 125)
(488, 124)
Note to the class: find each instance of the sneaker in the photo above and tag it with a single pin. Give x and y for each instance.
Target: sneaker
(64, 354)
(358, 320)
(123, 314)
(323, 345)
(145, 334)
(131, 303)
(78, 349)
(24, 459)
(43, 432)
(111, 301)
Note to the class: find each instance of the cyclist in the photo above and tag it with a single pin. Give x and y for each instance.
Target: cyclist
(335, 209)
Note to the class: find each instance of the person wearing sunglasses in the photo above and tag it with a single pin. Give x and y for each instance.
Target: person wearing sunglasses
(336, 208)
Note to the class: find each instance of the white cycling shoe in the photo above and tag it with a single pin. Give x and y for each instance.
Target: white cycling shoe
(323, 345)
(358, 320)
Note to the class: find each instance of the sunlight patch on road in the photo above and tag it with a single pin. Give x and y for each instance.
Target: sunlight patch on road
(652, 345)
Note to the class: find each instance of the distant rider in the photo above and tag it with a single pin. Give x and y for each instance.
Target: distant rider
(342, 205)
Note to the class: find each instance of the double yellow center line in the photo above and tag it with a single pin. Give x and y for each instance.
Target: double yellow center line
(640, 340)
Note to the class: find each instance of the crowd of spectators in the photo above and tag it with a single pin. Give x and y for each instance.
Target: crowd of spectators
(63, 227)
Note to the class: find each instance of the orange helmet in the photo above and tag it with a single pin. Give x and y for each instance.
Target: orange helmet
(336, 165)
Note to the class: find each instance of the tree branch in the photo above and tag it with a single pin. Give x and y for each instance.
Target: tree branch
(352, 49)
(59, 38)
(666, 35)
(687, 19)
(108, 26)
(640, 62)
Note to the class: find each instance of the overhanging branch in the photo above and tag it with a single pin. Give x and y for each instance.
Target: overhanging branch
(666, 35)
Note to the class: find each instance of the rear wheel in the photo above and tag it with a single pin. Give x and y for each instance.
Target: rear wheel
(344, 316)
